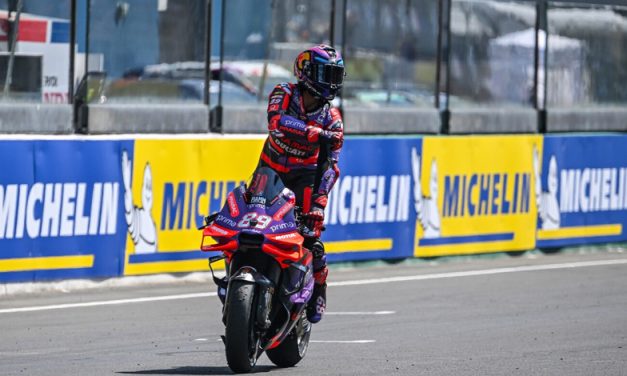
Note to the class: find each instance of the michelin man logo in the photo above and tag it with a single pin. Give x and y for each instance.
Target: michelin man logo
(426, 207)
(548, 206)
(141, 226)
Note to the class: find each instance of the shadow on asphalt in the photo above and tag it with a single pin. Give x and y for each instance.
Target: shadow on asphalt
(194, 371)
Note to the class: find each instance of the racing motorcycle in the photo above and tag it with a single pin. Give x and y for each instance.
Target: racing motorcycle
(269, 274)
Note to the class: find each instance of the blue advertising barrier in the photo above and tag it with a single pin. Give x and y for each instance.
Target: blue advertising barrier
(582, 197)
(60, 210)
(64, 203)
(371, 214)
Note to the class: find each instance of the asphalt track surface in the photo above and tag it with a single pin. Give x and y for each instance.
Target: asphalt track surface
(485, 316)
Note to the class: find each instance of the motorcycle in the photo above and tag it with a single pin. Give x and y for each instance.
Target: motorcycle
(269, 274)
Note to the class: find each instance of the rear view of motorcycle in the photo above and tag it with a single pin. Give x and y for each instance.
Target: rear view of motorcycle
(269, 274)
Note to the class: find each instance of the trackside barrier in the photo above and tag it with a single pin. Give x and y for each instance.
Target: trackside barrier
(252, 119)
(35, 118)
(96, 208)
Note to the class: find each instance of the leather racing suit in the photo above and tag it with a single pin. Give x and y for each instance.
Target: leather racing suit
(297, 150)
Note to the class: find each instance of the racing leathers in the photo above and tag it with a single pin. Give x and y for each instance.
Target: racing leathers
(303, 148)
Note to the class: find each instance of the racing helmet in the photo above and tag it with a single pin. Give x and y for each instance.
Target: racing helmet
(320, 70)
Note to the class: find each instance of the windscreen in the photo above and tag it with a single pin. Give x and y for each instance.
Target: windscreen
(263, 186)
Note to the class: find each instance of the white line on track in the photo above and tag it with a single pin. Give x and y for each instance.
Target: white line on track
(375, 313)
(356, 341)
(472, 273)
(108, 302)
(421, 277)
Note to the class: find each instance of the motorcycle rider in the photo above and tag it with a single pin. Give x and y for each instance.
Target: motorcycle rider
(303, 146)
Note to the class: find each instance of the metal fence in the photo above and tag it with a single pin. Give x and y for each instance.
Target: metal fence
(439, 66)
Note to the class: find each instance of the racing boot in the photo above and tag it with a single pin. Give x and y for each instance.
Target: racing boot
(318, 302)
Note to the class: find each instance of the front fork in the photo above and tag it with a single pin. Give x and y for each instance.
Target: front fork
(264, 290)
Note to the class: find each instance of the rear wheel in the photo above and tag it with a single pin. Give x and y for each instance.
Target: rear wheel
(241, 341)
(293, 348)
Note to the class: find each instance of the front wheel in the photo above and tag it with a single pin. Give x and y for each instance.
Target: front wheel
(293, 348)
(241, 341)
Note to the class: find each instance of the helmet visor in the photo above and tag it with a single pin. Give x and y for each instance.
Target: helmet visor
(330, 74)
